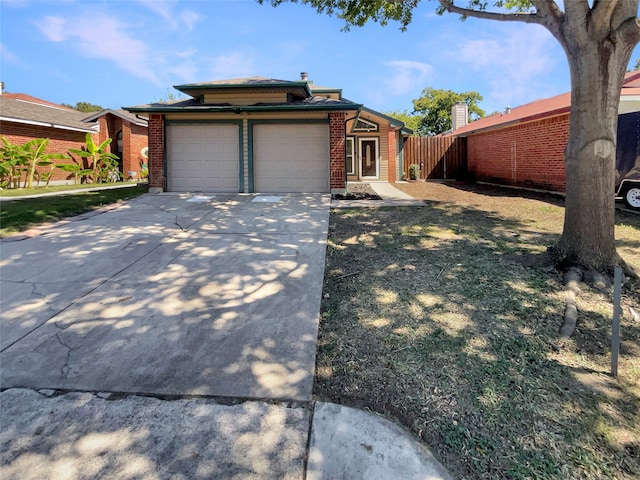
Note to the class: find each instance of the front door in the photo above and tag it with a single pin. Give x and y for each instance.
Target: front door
(369, 157)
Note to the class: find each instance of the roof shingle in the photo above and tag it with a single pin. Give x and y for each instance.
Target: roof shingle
(23, 108)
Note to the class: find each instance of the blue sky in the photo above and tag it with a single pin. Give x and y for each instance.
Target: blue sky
(121, 53)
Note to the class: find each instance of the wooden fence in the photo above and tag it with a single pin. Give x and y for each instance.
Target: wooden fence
(438, 157)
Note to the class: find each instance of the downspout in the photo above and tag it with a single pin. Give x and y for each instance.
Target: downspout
(165, 160)
(346, 176)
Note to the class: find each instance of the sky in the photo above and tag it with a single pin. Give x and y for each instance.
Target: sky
(124, 53)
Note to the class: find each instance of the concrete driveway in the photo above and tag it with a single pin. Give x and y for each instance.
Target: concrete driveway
(169, 295)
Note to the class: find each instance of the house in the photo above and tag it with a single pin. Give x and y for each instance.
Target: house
(128, 134)
(524, 146)
(266, 135)
(24, 118)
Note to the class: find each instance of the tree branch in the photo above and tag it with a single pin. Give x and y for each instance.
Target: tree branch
(553, 16)
(630, 31)
(603, 10)
(501, 17)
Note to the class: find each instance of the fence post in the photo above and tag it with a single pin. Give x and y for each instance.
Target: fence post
(615, 327)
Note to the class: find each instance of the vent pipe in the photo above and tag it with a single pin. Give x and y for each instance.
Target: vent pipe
(304, 76)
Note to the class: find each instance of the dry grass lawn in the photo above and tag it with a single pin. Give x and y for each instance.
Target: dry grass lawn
(445, 318)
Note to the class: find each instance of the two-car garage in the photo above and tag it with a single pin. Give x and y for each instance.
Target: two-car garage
(272, 158)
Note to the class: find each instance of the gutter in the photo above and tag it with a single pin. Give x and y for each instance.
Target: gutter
(46, 124)
(245, 108)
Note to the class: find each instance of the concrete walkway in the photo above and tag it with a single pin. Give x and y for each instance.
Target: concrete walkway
(174, 337)
(391, 197)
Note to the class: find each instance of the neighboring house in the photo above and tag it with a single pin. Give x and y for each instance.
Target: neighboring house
(24, 118)
(128, 134)
(525, 145)
(265, 135)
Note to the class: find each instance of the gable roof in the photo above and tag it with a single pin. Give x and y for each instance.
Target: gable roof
(305, 96)
(22, 108)
(544, 108)
(123, 114)
(302, 97)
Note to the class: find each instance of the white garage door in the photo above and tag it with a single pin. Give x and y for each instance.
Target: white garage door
(291, 158)
(202, 158)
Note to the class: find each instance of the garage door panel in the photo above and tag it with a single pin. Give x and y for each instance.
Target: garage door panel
(291, 158)
(203, 158)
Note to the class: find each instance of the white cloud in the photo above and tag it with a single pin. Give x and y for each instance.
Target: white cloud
(231, 65)
(510, 62)
(104, 37)
(54, 28)
(167, 10)
(190, 52)
(8, 56)
(407, 76)
(189, 18)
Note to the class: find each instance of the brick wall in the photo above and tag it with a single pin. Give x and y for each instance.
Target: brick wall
(392, 156)
(134, 139)
(156, 153)
(529, 155)
(137, 141)
(337, 150)
(60, 141)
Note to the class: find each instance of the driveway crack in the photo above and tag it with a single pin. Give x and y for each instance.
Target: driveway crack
(64, 371)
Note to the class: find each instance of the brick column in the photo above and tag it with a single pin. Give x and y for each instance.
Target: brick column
(156, 154)
(103, 132)
(337, 150)
(126, 149)
(392, 155)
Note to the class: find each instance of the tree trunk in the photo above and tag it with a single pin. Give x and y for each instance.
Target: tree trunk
(597, 72)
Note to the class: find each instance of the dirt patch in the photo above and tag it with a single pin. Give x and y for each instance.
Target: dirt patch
(444, 316)
(358, 191)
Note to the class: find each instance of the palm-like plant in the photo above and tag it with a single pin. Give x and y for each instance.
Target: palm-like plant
(35, 157)
(98, 160)
(13, 158)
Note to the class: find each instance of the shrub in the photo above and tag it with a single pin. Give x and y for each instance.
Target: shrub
(414, 171)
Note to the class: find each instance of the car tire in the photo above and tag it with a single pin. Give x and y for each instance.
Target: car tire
(631, 197)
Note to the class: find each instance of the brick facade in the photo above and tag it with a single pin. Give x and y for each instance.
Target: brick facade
(156, 153)
(391, 174)
(134, 139)
(337, 150)
(60, 141)
(528, 155)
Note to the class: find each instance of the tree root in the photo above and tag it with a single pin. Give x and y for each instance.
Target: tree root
(572, 279)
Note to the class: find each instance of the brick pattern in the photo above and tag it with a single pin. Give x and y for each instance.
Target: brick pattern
(134, 139)
(156, 152)
(528, 155)
(337, 150)
(392, 156)
(60, 141)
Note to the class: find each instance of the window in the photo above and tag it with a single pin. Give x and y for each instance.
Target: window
(351, 156)
(363, 125)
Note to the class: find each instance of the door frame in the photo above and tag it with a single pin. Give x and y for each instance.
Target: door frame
(376, 140)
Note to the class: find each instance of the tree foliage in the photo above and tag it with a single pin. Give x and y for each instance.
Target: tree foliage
(98, 160)
(28, 159)
(85, 107)
(431, 113)
(435, 105)
(410, 120)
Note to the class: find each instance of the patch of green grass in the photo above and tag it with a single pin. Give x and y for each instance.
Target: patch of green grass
(19, 215)
(21, 192)
(450, 327)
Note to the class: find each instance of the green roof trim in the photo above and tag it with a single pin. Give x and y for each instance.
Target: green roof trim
(253, 83)
(244, 108)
